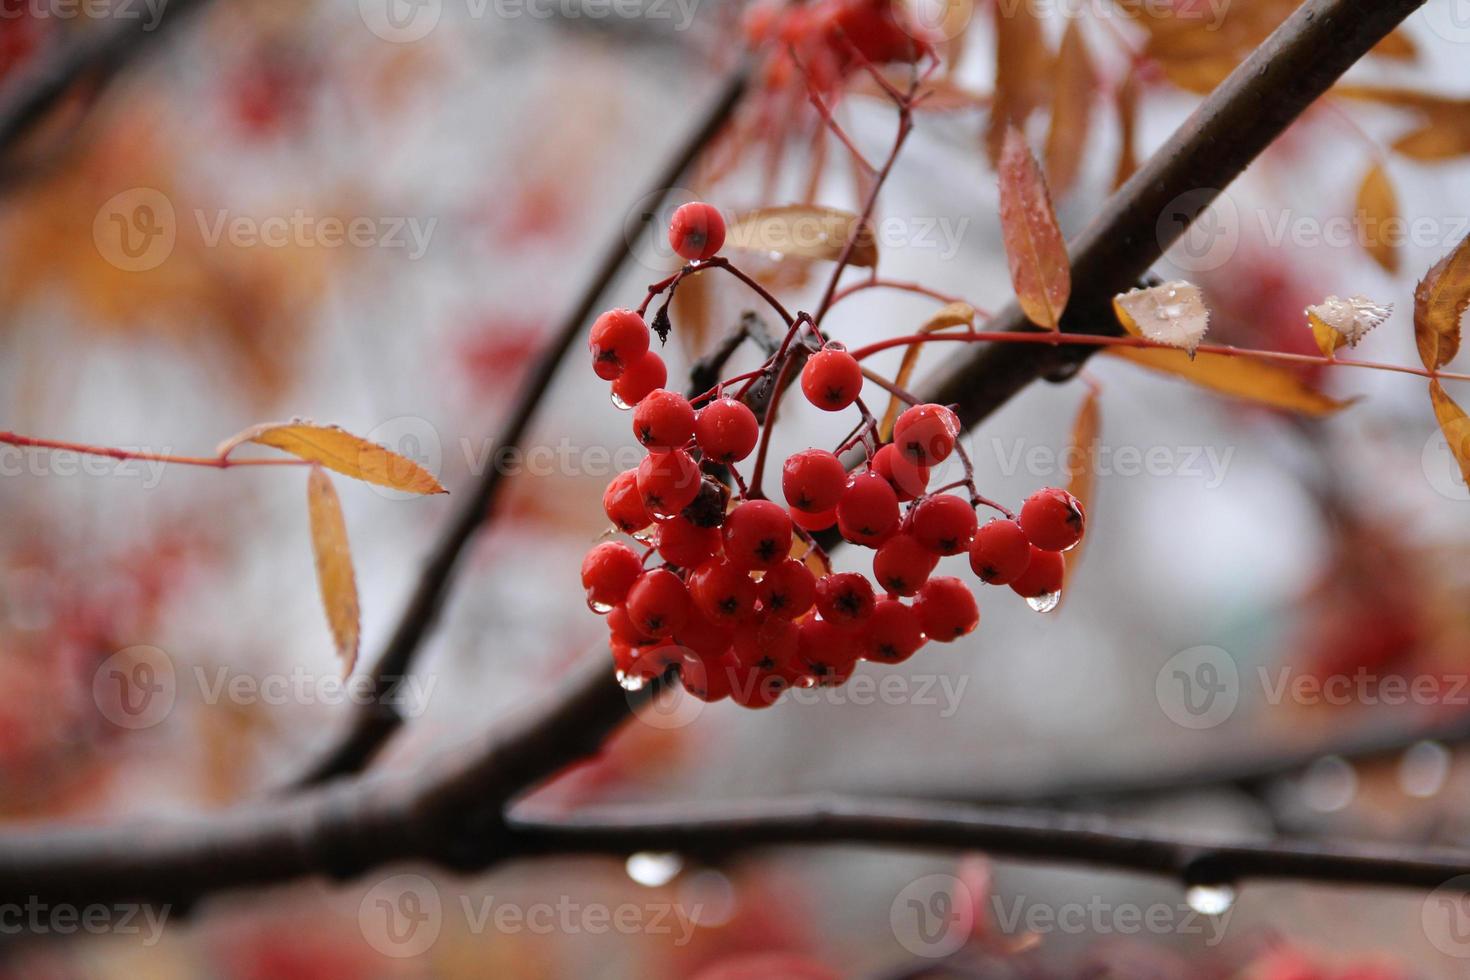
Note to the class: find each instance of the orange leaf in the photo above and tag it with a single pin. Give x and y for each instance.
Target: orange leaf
(1023, 71)
(803, 230)
(1439, 302)
(1040, 271)
(339, 450)
(1397, 46)
(1454, 425)
(1239, 377)
(1127, 96)
(1082, 481)
(949, 315)
(1071, 110)
(1378, 209)
(334, 565)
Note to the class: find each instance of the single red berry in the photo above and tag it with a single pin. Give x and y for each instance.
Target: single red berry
(768, 643)
(757, 535)
(618, 337)
(697, 231)
(867, 513)
(663, 420)
(636, 661)
(726, 430)
(621, 628)
(643, 374)
(832, 379)
(902, 565)
(814, 522)
(722, 592)
(658, 603)
(1044, 574)
(624, 504)
(893, 633)
(1000, 553)
(608, 572)
(706, 678)
(610, 368)
(1053, 520)
(926, 433)
(788, 590)
(813, 480)
(845, 598)
(907, 478)
(701, 634)
(946, 609)
(684, 544)
(945, 524)
(752, 687)
(827, 652)
(667, 482)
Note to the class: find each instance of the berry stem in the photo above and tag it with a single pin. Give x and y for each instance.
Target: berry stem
(213, 462)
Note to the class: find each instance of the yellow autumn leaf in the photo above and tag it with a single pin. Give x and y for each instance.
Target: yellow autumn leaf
(334, 573)
(1454, 425)
(1338, 322)
(1127, 96)
(1440, 301)
(1236, 376)
(948, 316)
(339, 450)
(1172, 313)
(1041, 271)
(1377, 211)
(1071, 111)
(803, 230)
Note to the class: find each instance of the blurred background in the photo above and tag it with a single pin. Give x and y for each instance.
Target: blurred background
(479, 157)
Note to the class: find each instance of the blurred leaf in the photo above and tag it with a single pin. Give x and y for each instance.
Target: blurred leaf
(1082, 481)
(342, 451)
(948, 316)
(1023, 73)
(935, 95)
(1377, 208)
(1397, 46)
(1040, 269)
(1343, 322)
(1071, 111)
(1172, 313)
(1238, 377)
(334, 565)
(804, 230)
(1439, 302)
(1454, 425)
(1445, 132)
(1127, 129)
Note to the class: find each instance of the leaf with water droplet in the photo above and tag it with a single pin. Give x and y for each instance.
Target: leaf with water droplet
(1440, 301)
(1041, 271)
(1454, 425)
(1172, 313)
(1343, 322)
(337, 449)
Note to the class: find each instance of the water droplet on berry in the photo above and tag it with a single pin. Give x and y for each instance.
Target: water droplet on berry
(619, 403)
(1210, 899)
(1045, 602)
(629, 682)
(653, 870)
(659, 515)
(601, 608)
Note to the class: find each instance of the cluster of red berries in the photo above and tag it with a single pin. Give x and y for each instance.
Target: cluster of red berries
(828, 37)
(729, 605)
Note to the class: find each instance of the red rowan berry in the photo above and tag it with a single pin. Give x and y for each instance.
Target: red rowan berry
(697, 231)
(1052, 518)
(946, 609)
(893, 633)
(618, 337)
(826, 652)
(643, 374)
(620, 627)
(867, 513)
(632, 665)
(722, 592)
(667, 482)
(663, 420)
(608, 369)
(726, 430)
(813, 480)
(768, 643)
(608, 572)
(706, 678)
(945, 524)
(788, 590)
(703, 635)
(832, 379)
(624, 504)
(1043, 576)
(684, 544)
(757, 535)
(907, 478)
(845, 598)
(814, 522)
(902, 565)
(752, 687)
(926, 433)
(1000, 553)
(658, 603)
